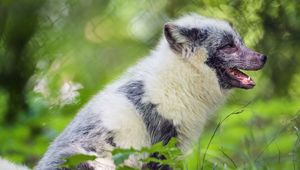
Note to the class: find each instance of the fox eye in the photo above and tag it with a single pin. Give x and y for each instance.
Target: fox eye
(230, 45)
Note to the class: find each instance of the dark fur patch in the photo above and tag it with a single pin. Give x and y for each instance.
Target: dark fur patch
(85, 166)
(85, 130)
(197, 36)
(158, 127)
(194, 35)
(227, 39)
(154, 165)
(215, 59)
(110, 139)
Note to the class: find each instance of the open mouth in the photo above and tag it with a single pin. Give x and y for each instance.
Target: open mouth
(239, 79)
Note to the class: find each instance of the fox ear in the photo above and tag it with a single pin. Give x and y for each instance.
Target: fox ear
(174, 36)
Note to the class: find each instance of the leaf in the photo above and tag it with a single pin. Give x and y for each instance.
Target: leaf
(172, 154)
(75, 160)
(120, 155)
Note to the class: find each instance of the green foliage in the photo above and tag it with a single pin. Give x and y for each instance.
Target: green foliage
(249, 140)
(173, 156)
(73, 161)
(120, 155)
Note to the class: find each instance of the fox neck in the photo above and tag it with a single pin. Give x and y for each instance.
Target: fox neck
(185, 90)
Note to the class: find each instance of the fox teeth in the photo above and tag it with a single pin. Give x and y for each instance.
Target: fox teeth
(248, 78)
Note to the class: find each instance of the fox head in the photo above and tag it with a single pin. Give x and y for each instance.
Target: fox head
(225, 51)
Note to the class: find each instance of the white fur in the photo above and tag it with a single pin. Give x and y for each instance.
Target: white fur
(7, 165)
(118, 114)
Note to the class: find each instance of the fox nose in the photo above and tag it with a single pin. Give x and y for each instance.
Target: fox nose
(264, 59)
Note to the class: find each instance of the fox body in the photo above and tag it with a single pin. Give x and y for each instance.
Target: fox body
(170, 93)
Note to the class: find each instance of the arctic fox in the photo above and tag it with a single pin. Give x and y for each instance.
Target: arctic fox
(170, 93)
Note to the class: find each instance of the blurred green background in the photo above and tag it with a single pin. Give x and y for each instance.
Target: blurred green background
(56, 54)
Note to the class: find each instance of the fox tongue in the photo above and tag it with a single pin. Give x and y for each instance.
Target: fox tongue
(241, 77)
(247, 80)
